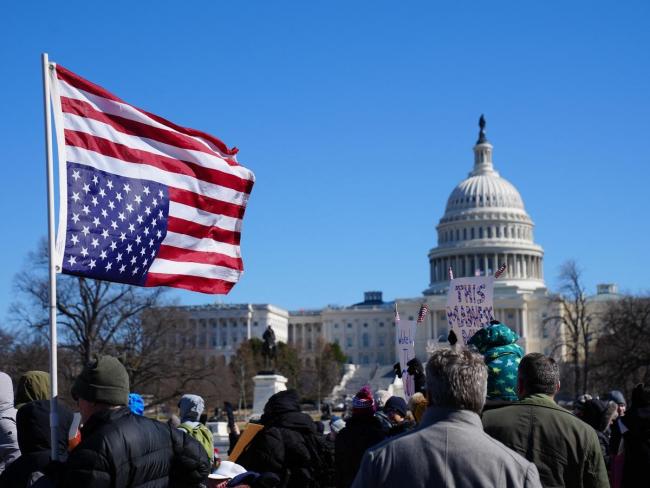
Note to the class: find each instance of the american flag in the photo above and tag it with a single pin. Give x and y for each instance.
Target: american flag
(500, 271)
(424, 310)
(143, 200)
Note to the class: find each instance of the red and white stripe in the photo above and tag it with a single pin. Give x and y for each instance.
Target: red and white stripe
(208, 189)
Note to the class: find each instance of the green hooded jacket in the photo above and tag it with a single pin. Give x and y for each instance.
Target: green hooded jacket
(32, 386)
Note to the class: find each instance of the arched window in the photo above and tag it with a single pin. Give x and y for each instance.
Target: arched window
(480, 232)
(472, 232)
(464, 234)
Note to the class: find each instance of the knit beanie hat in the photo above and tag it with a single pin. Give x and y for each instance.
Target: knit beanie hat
(363, 402)
(32, 386)
(191, 407)
(396, 404)
(136, 403)
(498, 345)
(103, 380)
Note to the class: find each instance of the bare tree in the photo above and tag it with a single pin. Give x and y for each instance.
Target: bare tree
(326, 371)
(98, 317)
(90, 313)
(244, 365)
(622, 357)
(575, 323)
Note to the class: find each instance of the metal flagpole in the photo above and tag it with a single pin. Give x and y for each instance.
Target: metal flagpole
(54, 417)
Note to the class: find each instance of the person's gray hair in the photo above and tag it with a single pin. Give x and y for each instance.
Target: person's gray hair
(457, 378)
(539, 374)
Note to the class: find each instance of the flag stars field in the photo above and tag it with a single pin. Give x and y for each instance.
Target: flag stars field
(110, 227)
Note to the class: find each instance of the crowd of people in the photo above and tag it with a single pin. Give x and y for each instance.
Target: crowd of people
(483, 415)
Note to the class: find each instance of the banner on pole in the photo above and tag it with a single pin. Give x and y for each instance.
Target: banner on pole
(470, 305)
(405, 348)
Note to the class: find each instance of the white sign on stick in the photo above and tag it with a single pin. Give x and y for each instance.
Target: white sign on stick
(405, 344)
(470, 305)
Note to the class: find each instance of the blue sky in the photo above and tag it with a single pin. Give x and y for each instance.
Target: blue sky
(358, 119)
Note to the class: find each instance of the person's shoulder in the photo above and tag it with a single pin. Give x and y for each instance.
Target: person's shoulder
(501, 415)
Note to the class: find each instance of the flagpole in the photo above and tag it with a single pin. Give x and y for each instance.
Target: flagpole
(54, 387)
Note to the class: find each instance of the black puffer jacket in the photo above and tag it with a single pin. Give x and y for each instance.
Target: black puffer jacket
(636, 442)
(286, 444)
(360, 433)
(121, 450)
(33, 424)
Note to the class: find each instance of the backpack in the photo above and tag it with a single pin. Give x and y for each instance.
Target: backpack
(202, 434)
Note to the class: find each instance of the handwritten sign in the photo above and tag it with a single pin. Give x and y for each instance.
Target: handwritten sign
(405, 348)
(470, 305)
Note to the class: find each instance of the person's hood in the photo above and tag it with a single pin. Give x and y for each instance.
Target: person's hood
(282, 402)
(496, 335)
(6, 394)
(191, 407)
(32, 386)
(33, 425)
(292, 420)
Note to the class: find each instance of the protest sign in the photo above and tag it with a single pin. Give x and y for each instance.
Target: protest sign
(405, 348)
(470, 305)
(245, 438)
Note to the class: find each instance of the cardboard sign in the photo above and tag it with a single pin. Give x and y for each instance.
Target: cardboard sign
(405, 348)
(245, 438)
(470, 305)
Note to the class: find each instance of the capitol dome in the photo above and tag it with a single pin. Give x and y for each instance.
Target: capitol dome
(485, 225)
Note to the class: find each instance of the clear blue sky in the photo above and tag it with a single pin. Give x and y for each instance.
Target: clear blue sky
(358, 119)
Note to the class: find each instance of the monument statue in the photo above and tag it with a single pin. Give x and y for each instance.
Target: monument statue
(268, 348)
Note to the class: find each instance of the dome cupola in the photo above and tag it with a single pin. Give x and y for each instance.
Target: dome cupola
(485, 225)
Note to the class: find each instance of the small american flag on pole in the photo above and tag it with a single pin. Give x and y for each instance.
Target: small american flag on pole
(144, 201)
(424, 310)
(500, 271)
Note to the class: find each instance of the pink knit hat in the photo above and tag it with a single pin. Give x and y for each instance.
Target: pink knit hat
(363, 403)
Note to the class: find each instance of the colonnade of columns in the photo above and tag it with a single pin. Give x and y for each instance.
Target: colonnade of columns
(518, 265)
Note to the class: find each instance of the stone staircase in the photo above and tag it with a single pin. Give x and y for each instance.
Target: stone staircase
(379, 377)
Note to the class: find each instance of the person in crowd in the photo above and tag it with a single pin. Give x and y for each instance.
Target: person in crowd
(120, 449)
(381, 397)
(418, 405)
(136, 403)
(191, 408)
(32, 386)
(288, 445)
(233, 428)
(600, 414)
(615, 439)
(362, 430)
(337, 424)
(564, 449)
(34, 440)
(498, 345)
(579, 404)
(415, 369)
(396, 411)
(636, 439)
(9, 450)
(449, 448)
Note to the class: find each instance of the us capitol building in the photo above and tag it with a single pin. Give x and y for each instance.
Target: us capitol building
(485, 224)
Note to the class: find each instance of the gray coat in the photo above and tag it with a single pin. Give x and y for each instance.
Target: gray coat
(8, 436)
(450, 450)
